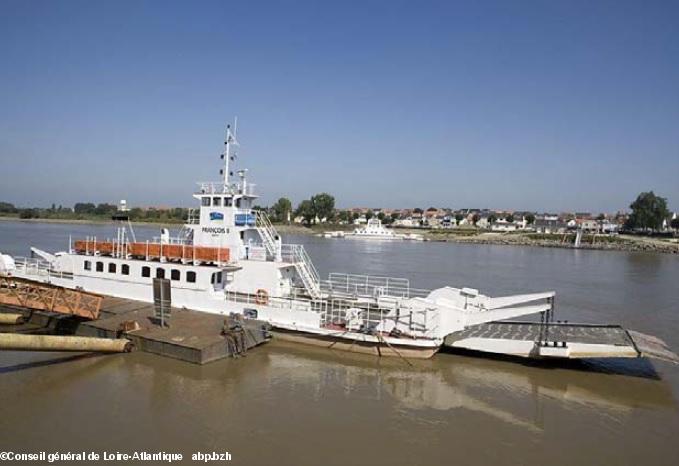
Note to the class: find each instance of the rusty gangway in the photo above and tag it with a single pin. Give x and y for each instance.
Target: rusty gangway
(39, 296)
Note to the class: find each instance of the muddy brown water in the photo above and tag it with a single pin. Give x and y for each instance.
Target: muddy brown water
(288, 404)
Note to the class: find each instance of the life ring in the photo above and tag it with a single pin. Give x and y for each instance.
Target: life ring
(261, 297)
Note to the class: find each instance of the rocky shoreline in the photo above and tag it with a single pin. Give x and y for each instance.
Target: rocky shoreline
(601, 243)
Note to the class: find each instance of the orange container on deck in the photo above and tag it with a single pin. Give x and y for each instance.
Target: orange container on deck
(157, 250)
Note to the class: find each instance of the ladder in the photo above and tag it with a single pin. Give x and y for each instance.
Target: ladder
(268, 233)
(306, 270)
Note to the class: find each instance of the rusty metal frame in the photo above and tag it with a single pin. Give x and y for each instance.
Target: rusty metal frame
(50, 298)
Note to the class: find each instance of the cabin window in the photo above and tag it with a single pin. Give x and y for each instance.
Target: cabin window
(125, 269)
(175, 274)
(87, 265)
(100, 266)
(227, 202)
(216, 201)
(160, 273)
(191, 277)
(146, 271)
(216, 278)
(111, 267)
(238, 202)
(205, 202)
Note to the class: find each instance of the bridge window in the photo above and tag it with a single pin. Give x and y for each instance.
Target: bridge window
(216, 278)
(238, 202)
(160, 273)
(175, 274)
(87, 265)
(125, 269)
(146, 271)
(111, 267)
(216, 201)
(191, 277)
(205, 201)
(100, 266)
(227, 202)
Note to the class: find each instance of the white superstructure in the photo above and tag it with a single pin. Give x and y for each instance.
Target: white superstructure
(229, 258)
(374, 230)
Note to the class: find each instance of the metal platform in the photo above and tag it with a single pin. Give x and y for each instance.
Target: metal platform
(559, 340)
(192, 336)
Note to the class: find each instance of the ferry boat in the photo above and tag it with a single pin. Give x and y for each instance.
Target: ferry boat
(229, 258)
(373, 230)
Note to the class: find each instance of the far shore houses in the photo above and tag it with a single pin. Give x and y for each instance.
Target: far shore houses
(485, 219)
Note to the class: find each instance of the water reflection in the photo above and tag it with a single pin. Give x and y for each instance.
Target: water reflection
(508, 392)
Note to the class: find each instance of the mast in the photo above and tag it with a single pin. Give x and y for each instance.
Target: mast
(229, 155)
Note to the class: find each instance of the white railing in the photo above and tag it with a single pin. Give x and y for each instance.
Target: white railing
(297, 255)
(170, 240)
(193, 217)
(267, 232)
(37, 268)
(371, 286)
(216, 187)
(350, 315)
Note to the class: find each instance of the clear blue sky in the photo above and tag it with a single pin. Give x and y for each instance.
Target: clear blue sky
(546, 105)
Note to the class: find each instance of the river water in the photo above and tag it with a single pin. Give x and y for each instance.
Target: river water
(293, 405)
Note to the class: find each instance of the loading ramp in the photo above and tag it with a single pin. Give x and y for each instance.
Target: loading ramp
(559, 340)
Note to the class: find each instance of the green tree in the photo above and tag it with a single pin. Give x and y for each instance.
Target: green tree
(675, 223)
(458, 218)
(28, 213)
(509, 218)
(530, 219)
(282, 209)
(323, 205)
(648, 211)
(84, 208)
(306, 211)
(491, 219)
(344, 216)
(7, 208)
(369, 214)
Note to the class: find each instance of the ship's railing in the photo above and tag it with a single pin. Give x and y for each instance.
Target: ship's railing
(298, 300)
(363, 316)
(171, 240)
(372, 318)
(370, 285)
(215, 187)
(296, 254)
(193, 217)
(38, 268)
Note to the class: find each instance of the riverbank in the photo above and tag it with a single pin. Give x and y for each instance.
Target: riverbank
(74, 221)
(470, 236)
(594, 242)
(626, 243)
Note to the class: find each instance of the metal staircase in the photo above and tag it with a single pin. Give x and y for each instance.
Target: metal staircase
(306, 270)
(295, 253)
(268, 233)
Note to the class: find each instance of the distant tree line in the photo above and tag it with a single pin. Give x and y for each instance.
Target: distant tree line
(91, 211)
